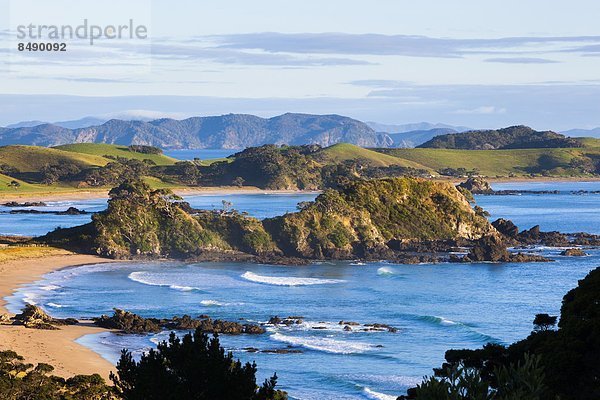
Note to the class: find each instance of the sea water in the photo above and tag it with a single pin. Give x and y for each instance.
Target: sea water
(434, 306)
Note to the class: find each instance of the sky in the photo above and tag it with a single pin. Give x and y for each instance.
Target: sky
(472, 63)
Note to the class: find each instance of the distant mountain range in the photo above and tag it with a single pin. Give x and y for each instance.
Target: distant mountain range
(412, 135)
(595, 133)
(232, 131)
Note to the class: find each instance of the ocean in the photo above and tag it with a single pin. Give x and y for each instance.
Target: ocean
(434, 306)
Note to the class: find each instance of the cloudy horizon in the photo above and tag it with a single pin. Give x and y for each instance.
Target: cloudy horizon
(395, 62)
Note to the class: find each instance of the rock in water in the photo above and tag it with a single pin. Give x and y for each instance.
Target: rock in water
(488, 248)
(127, 322)
(573, 253)
(506, 227)
(477, 185)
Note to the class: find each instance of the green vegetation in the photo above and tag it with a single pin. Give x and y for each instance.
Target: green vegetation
(20, 381)
(116, 151)
(519, 162)
(549, 364)
(362, 217)
(342, 152)
(358, 220)
(190, 368)
(33, 159)
(514, 137)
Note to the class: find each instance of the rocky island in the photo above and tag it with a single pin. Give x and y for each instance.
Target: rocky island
(401, 219)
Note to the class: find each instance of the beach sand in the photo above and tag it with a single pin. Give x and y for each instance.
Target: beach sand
(57, 348)
(103, 194)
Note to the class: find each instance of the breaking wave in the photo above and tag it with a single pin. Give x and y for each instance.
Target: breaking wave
(326, 345)
(146, 279)
(287, 280)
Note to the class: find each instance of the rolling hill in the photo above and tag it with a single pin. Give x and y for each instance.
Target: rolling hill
(346, 152)
(513, 162)
(102, 150)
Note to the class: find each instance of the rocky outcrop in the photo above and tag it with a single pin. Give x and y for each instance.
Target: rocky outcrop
(128, 322)
(494, 249)
(477, 185)
(507, 228)
(35, 318)
(488, 248)
(25, 204)
(573, 253)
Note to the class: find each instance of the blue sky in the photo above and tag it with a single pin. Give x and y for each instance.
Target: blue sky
(473, 63)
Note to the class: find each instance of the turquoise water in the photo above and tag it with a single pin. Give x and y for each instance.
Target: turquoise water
(435, 307)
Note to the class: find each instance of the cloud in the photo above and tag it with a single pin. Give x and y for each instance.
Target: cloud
(522, 60)
(482, 110)
(399, 45)
(234, 56)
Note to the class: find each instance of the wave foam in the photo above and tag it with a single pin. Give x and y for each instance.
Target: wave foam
(49, 288)
(142, 277)
(218, 303)
(54, 305)
(287, 280)
(378, 396)
(386, 271)
(326, 345)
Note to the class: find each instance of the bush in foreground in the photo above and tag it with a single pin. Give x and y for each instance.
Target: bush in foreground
(191, 368)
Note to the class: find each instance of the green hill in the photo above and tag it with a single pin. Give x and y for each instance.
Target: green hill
(115, 151)
(514, 137)
(515, 162)
(33, 158)
(346, 152)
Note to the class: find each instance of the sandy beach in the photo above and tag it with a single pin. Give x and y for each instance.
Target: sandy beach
(58, 347)
(103, 194)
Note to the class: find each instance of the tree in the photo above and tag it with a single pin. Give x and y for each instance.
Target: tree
(23, 381)
(544, 322)
(191, 368)
(14, 184)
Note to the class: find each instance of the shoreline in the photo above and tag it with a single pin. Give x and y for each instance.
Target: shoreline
(180, 191)
(229, 190)
(55, 347)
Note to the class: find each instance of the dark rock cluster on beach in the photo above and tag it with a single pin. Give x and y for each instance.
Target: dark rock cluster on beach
(35, 318)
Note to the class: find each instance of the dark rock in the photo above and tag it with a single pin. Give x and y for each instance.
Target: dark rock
(531, 235)
(282, 351)
(352, 323)
(381, 327)
(347, 328)
(506, 227)
(128, 322)
(72, 211)
(291, 320)
(25, 204)
(35, 318)
(573, 253)
(488, 248)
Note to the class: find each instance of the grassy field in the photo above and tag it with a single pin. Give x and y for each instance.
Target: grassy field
(33, 158)
(101, 150)
(11, 253)
(492, 163)
(344, 151)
